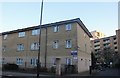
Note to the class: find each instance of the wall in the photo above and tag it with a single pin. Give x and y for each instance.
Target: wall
(84, 53)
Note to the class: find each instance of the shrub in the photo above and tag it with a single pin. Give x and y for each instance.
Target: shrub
(52, 69)
(9, 66)
(43, 69)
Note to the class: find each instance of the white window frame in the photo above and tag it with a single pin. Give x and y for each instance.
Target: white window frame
(20, 47)
(35, 46)
(33, 62)
(69, 61)
(68, 43)
(21, 34)
(56, 28)
(36, 32)
(19, 61)
(55, 44)
(5, 36)
(68, 27)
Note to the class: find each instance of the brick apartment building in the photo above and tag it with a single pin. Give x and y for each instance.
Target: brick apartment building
(0, 50)
(105, 50)
(106, 42)
(67, 40)
(118, 39)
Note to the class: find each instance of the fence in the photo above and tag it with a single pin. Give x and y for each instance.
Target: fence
(50, 68)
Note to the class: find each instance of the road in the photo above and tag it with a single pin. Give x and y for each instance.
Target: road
(109, 72)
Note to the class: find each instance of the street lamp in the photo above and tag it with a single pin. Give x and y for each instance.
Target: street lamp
(38, 62)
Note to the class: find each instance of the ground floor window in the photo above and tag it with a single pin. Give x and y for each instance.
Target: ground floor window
(68, 61)
(34, 62)
(53, 61)
(19, 61)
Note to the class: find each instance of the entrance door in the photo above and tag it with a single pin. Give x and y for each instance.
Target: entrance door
(58, 66)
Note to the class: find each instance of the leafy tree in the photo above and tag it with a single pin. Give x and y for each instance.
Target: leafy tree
(106, 55)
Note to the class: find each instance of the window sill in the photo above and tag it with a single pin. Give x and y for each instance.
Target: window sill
(56, 32)
(20, 50)
(55, 48)
(68, 30)
(34, 50)
(21, 37)
(35, 35)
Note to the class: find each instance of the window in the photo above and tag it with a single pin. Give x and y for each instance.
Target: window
(115, 42)
(84, 35)
(19, 61)
(68, 27)
(4, 48)
(55, 44)
(54, 61)
(98, 34)
(96, 41)
(56, 28)
(21, 34)
(5, 37)
(96, 50)
(115, 47)
(36, 32)
(114, 38)
(97, 46)
(33, 62)
(35, 46)
(106, 40)
(68, 44)
(3, 60)
(20, 47)
(68, 61)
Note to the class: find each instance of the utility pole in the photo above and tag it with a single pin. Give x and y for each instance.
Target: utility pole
(38, 62)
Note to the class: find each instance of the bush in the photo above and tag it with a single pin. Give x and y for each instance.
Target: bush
(43, 69)
(52, 69)
(9, 66)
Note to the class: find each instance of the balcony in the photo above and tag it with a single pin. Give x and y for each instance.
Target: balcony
(116, 49)
(98, 43)
(98, 47)
(108, 41)
(115, 40)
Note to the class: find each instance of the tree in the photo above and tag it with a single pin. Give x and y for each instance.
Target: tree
(106, 55)
(93, 59)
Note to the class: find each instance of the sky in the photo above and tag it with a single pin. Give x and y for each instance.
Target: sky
(102, 16)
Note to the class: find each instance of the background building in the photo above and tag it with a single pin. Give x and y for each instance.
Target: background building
(105, 50)
(118, 39)
(0, 50)
(67, 40)
(97, 35)
(107, 42)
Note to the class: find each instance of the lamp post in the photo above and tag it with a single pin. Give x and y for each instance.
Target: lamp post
(38, 62)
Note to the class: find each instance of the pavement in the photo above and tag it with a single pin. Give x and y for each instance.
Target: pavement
(10, 74)
(107, 72)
